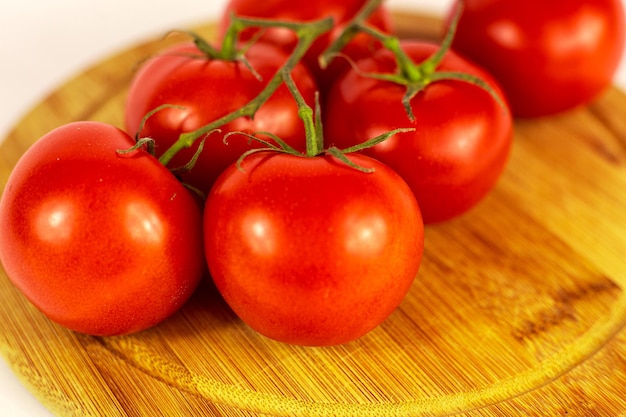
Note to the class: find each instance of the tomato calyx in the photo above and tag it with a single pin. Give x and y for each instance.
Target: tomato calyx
(233, 50)
(312, 120)
(414, 76)
(147, 143)
(306, 34)
(230, 50)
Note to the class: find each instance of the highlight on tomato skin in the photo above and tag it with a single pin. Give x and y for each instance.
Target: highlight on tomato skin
(101, 243)
(310, 251)
(549, 56)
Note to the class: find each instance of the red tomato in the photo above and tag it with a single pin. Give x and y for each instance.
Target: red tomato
(101, 243)
(310, 251)
(209, 89)
(461, 140)
(549, 56)
(341, 11)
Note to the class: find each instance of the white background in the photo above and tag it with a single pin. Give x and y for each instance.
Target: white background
(43, 43)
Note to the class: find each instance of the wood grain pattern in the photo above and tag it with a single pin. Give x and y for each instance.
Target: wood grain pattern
(517, 310)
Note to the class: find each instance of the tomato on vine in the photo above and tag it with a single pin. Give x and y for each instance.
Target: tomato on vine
(548, 56)
(200, 86)
(310, 249)
(462, 132)
(102, 243)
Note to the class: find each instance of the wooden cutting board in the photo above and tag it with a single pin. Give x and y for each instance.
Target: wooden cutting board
(517, 310)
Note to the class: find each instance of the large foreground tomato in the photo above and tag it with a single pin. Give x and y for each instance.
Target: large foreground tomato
(549, 56)
(310, 251)
(462, 135)
(101, 243)
(341, 11)
(209, 89)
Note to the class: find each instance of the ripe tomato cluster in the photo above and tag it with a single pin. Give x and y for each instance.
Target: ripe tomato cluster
(297, 161)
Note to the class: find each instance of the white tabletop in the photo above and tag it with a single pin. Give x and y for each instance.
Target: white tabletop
(44, 42)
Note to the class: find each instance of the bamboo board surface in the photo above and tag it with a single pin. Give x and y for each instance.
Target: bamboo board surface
(518, 308)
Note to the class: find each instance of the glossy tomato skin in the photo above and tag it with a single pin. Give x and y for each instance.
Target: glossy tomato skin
(550, 56)
(462, 137)
(309, 251)
(102, 244)
(341, 11)
(209, 89)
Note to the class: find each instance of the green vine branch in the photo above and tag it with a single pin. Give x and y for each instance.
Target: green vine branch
(306, 33)
(314, 132)
(415, 77)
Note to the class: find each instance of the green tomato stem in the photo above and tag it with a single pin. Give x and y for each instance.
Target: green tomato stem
(350, 31)
(430, 65)
(307, 33)
(415, 77)
(229, 42)
(409, 71)
(314, 138)
(205, 47)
